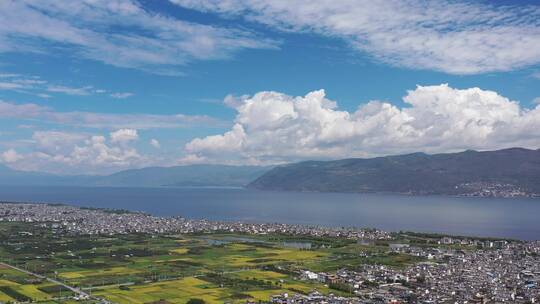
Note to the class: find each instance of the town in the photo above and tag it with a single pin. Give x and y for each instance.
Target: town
(85, 221)
(439, 269)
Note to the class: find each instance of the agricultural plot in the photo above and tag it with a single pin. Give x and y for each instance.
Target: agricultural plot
(140, 268)
(18, 286)
(175, 291)
(238, 255)
(112, 271)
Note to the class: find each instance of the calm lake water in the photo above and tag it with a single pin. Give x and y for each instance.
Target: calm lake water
(513, 218)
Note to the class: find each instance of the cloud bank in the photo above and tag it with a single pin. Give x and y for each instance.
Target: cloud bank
(73, 153)
(272, 127)
(456, 37)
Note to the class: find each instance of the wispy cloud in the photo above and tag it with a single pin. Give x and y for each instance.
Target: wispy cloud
(456, 37)
(8, 75)
(118, 33)
(17, 82)
(155, 143)
(87, 90)
(121, 95)
(34, 112)
(10, 86)
(34, 85)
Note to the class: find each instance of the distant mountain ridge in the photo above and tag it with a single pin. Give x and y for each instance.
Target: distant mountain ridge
(508, 172)
(501, 173)
(9, 176)
(178, 176)
(190, 175)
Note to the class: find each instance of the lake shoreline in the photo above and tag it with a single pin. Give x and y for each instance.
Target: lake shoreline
(491, 217)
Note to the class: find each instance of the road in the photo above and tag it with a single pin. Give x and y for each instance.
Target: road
(81, 293)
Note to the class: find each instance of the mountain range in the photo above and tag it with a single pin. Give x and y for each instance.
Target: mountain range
(177, 176)
(508, 172)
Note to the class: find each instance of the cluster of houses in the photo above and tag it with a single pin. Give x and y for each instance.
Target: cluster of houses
(74, 220)
(488, 272)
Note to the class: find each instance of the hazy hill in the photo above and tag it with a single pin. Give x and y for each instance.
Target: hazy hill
(9, 176)
(193, 175)
(495, 173)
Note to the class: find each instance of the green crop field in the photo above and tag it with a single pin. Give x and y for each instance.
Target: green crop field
(137, 268)
(18, 286)
(175, 291)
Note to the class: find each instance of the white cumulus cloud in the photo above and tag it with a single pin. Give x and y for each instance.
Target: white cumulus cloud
(10, 156)
(53, 142)
(124, 135)
(73, 153)
(272, 127)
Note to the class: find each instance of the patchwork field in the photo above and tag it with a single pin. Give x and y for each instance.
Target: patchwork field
(175, 291)
(18, 286)
(215, 268)
(113, 271)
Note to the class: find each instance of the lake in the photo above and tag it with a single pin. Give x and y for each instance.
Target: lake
(511, 218)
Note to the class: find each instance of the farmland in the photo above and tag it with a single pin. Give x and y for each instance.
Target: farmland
(142, 268)
(18, 286)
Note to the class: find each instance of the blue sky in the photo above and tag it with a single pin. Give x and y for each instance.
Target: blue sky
(107, 85)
